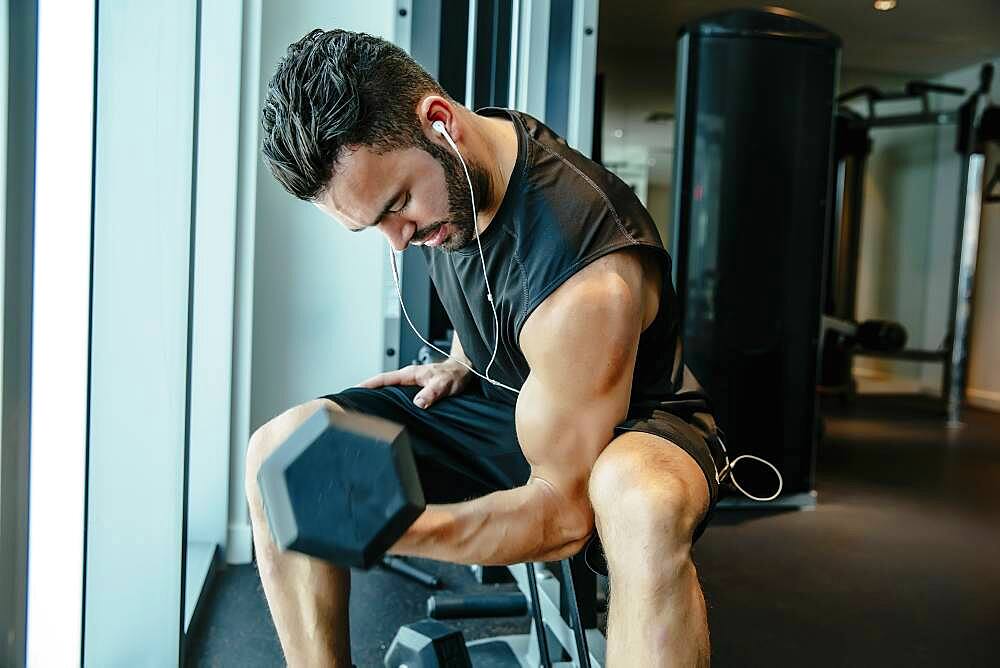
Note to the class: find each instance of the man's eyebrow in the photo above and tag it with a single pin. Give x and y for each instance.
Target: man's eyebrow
(388, 205)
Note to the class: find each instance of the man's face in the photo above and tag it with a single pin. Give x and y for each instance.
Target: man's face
(408, 194)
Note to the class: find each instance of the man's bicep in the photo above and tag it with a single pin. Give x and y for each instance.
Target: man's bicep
(582, 363)
(562, 434)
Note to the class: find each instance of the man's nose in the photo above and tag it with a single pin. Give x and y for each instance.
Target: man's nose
(398, 233)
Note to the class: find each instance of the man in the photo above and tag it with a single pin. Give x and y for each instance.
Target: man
(588, 425)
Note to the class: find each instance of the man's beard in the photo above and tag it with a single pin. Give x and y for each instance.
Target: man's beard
(460, 218)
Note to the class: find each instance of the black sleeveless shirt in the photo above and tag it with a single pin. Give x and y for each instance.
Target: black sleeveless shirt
(560, 212)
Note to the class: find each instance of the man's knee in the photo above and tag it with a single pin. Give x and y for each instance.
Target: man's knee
(272, 434)
(649, 504)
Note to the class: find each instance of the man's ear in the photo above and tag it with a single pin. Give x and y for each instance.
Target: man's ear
(437, 108)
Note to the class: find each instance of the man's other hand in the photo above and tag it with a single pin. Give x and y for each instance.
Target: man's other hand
(439, 380)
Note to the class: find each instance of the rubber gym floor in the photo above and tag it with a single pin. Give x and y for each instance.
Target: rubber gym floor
(898, 565)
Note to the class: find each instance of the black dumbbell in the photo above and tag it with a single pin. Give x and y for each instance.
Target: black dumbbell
(343, 487)
(428, 644)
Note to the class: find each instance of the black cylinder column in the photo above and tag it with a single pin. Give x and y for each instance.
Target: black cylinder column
(755, 104)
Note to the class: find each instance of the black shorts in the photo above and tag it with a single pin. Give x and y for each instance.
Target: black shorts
(465, 445)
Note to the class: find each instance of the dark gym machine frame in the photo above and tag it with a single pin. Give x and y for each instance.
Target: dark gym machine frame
(846, 228)
(562, 605)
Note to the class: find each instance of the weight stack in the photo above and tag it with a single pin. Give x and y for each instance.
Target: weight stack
(755, 106)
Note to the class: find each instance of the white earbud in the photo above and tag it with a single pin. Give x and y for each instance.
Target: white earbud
(439, 127)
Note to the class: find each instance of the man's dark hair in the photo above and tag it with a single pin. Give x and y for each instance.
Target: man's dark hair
(336, 89)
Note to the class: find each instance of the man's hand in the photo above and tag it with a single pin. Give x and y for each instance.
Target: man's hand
(438, 380)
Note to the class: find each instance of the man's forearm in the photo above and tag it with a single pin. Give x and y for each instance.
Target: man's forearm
(529, 523)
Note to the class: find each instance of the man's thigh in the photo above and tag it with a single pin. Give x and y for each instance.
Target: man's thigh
(465, 445)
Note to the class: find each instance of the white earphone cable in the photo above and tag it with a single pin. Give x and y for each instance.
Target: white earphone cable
(395, 279)
(727, 470)
(475, 226)
(439, 127)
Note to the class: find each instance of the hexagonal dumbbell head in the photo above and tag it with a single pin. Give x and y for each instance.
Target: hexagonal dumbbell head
(343, 487)
(428, 644)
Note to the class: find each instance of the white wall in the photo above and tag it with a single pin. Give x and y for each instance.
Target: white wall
(316, 296)
(317, 293)
(896, 227)
(886, 233)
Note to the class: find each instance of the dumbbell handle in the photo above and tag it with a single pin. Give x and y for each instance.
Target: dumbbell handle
(397, 565)
(462, 606)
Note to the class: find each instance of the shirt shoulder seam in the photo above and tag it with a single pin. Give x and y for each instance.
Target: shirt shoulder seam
(597, 189)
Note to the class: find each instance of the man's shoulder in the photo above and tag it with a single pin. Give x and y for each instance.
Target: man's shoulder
(607, 287)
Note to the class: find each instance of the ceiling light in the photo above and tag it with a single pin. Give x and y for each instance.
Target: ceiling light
(885, 5)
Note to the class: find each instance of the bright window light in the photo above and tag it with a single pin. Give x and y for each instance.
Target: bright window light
(61, 325)
(885, 5)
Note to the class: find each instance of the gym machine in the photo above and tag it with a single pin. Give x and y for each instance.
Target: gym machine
(755, 101)
(563, 631)
(976, 126)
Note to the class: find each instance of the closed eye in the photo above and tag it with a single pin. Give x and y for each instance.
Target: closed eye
(406, 202)
(402, 206)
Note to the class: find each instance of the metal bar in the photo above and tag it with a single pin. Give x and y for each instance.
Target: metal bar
(845, 327)
(533, 57)
(583, 67)
(834, 251)
(911, 355)
(965, 277)
(548, 590)
(582, 653)
(470, 606)
(402, 567)
(470, 57)
(536, 613)
(239, 543)
(215, 271)
(683, 148)
(802, 501)
(932, 118)
(515, 53)
(17, 196)
(851, 238)
(392, 342)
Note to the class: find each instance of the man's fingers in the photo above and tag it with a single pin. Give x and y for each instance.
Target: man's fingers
(404, 376)
(427, 396)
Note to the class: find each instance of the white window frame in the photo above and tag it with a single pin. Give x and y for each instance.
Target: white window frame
(60, 331)
(144, 214)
